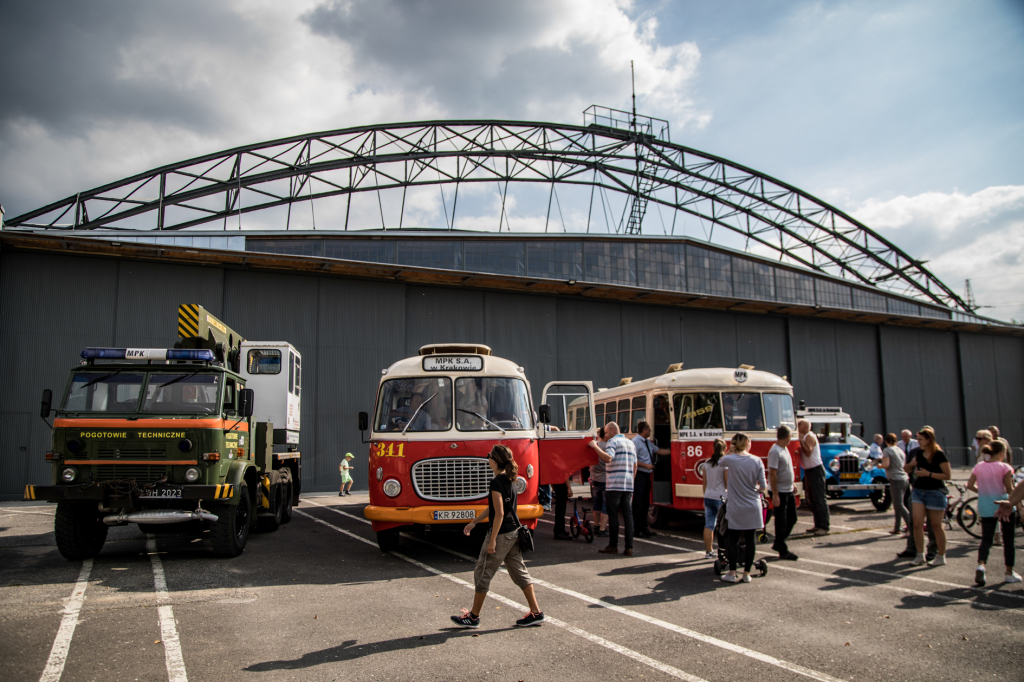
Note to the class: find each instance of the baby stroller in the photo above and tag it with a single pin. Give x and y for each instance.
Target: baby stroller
(721, 530)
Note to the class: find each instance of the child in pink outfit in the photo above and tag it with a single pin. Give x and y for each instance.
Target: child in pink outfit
(993, 481)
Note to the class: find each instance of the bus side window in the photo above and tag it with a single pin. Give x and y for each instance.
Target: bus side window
(623, 418)
(698, 411)
(662, 420)
(599, 414)
(639, 412)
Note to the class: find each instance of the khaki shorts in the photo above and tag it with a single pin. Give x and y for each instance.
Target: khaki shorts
(506, 550)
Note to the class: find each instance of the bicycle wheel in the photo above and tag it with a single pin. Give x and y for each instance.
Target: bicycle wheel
(967, 517)
(574, 527)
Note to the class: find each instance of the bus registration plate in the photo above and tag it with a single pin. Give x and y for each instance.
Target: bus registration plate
(455, 515)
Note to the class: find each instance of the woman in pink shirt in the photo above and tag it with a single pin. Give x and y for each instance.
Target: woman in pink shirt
(992, 479)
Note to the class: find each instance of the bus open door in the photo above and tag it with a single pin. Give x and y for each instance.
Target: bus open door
(567, 413)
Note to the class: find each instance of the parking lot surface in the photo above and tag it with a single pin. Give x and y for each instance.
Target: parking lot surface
(317, 600)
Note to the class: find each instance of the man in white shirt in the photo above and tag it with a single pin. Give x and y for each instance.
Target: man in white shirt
(907, 443)
(814, 477)
(647, 452)
(780, 476)
(875, 449)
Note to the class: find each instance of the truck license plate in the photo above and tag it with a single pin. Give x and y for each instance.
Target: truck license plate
(166, 493)
(857, 476)
(455, 515)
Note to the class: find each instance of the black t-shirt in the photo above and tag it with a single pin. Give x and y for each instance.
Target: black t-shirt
(935, 466)
(501, 484)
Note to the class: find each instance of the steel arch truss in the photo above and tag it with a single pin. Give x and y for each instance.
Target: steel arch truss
(772, 217)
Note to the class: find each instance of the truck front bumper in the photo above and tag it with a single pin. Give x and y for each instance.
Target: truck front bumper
(425, 515)
(99, 492)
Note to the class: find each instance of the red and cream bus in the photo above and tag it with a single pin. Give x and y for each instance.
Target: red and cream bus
(687, 411)
(436, 418)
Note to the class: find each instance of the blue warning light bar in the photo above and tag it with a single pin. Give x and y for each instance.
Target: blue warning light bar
(200, 354)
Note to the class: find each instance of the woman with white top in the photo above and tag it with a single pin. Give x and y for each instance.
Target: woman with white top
(716, 480)
(743, 512)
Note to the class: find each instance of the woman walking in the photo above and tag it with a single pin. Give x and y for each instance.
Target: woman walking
(501, 544)
(893, 461)
(992, 479)
(743, 512)
(930, 468)
(716, 480)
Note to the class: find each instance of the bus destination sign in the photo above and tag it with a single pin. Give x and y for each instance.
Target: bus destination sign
(453, 363)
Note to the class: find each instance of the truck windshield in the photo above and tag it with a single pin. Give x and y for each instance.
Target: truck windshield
(485, 403)
(400, 399)
(104, 392)
(190, 393)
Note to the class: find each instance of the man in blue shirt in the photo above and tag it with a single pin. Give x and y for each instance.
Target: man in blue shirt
(620, 457)
(647, 452)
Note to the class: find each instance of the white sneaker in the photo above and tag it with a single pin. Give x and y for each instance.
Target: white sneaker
(939, 560)
(1012, 578)
(918, 560)
(726, 578)
(709, 555)
(979, 575)
(746, 577)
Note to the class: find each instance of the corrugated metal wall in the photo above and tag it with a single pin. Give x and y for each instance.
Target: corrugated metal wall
(52, 306)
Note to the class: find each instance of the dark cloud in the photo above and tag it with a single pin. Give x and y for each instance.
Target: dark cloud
(67, 65)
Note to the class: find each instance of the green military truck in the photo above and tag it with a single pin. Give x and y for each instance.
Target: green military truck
(159, 436)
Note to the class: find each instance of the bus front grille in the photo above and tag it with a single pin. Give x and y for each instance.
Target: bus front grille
(452, 479)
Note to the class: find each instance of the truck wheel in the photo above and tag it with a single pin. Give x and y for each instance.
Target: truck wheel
(231, 529)
(79, 530)
(387, 540)
(286, 508)
(881, 499)
(268, 522)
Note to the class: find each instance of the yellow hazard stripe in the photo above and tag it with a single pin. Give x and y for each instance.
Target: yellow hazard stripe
(188, 320)
(30, 492)
(223, 491)
(265, 502)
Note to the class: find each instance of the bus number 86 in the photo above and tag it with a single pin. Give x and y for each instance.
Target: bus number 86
(694, 451)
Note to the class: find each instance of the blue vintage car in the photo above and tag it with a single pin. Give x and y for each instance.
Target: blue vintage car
(851, 473)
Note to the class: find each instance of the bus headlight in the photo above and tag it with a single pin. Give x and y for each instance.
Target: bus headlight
(192, 474)
(834, 466)
(520, 485)
(68, 474)
(392, 487)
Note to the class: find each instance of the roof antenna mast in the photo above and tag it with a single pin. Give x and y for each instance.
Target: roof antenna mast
(632, 77)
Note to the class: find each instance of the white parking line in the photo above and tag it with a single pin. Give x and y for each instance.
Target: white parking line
(35, 513)
(728, 646)
(636, 656)
(168, 631)
(62, 642)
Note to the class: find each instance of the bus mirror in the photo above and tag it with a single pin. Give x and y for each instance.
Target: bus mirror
(364, 420)
(246, 398)
(44, 408)
(544, 413)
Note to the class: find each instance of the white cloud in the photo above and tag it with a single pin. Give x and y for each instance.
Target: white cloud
(976, 236)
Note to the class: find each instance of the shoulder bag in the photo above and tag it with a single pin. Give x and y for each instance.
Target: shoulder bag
(525, 534)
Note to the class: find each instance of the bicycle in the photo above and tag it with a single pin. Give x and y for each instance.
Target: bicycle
(965, 512)
(578, 525)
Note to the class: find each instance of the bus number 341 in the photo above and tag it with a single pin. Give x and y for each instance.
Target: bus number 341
(694, 451)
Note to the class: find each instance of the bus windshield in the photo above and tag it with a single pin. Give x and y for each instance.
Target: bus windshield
(190, 393)
(698, 411)
(487, 403)
(743, 412)
(115, 391)
(778, 410)
(429, 399)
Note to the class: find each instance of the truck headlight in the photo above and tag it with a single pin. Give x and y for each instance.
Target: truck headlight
(520, 485)
(392, 487)
(68, 474)
(834, 465)
(192, 474)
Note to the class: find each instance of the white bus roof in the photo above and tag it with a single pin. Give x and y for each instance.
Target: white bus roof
(822, 415)
(711, 378)
(491, 365)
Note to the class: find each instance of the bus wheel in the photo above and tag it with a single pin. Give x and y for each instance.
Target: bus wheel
(881, 499)
(658, 517)
(387, 540)
(230, 531)
(79, 530)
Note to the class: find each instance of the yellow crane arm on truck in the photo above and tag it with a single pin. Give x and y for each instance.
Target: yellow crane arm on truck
(199, 328)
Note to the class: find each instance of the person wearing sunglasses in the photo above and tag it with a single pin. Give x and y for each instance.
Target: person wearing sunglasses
(930, 468)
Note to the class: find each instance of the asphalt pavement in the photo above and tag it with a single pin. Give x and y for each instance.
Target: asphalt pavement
(317, 600)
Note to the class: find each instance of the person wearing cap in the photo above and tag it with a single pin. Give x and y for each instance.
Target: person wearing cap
(346, 478)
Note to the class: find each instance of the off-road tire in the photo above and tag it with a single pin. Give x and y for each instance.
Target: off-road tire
(79, 530)
(268, 523)
(388, 539)
(230, 531)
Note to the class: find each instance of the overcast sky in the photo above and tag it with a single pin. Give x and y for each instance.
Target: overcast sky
(906, 114)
